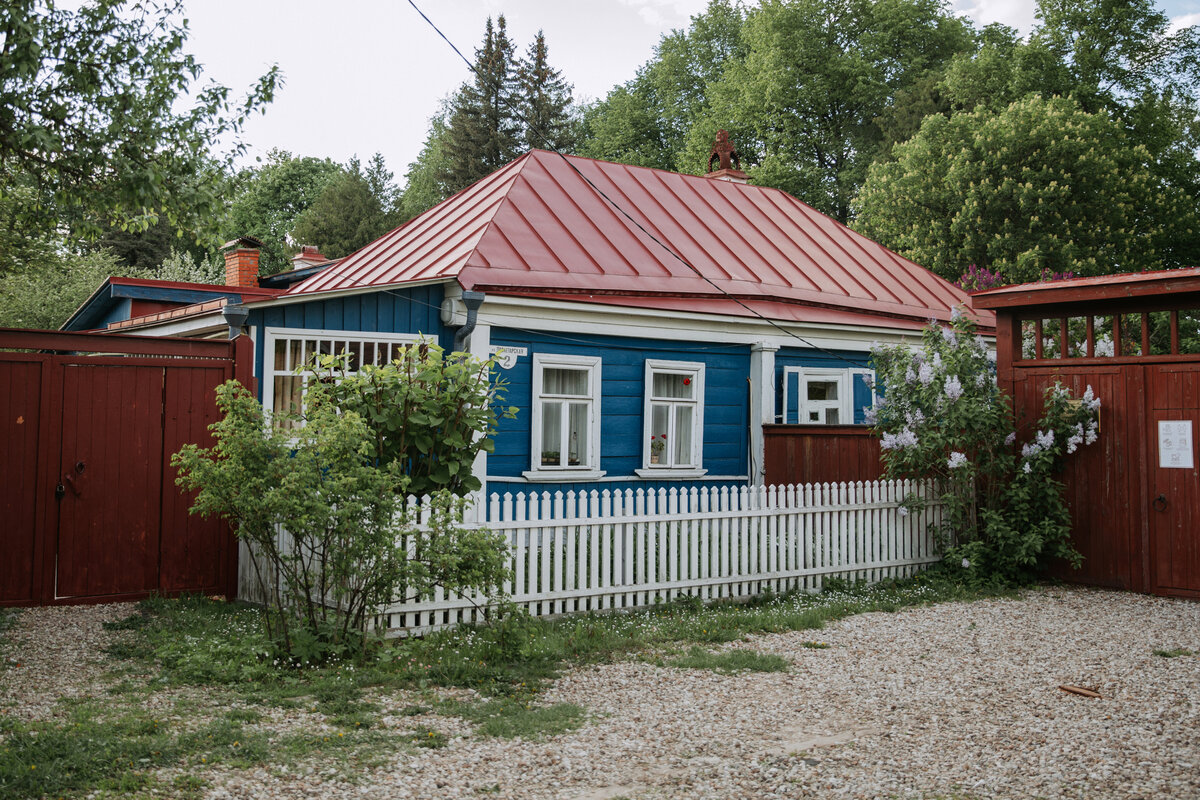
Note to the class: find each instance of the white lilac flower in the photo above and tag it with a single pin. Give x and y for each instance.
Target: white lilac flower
(1090, 400)
(954, 389)
(1029, 450)
(991, 356)
(1045, 439)
(1104, 347)
(956, 313)
(956, 460)
(888, 441)
(1028, 468)
(966, 563)
(980, 380)
(869, 415)
(1012, 437)
(1092, 433)
(902, 511)
(909, 375)
(925, 375)
(906, 438)
(980, 344)
(937, 361)
(869, 380)
(914, 417)
(950, 336)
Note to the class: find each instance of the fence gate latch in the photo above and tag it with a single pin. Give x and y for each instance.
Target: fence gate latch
(59, 491)
(1160, 503)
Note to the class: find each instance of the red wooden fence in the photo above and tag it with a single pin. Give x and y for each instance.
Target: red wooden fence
(88, 423)
(821, 454)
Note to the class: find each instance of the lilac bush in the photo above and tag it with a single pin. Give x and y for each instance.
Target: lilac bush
(943, 417)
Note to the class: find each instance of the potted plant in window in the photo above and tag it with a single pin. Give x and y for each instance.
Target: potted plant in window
(550, 458)
(657, 445)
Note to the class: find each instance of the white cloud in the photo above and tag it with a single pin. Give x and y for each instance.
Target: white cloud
(1018, 14)
(665, 15)
(1185, 21)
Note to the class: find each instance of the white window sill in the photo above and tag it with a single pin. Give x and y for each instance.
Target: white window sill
(669, 473)
(563, 475)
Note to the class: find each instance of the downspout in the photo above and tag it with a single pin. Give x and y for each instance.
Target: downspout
(472, 300)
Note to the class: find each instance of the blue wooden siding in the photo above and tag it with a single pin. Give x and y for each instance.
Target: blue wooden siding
(413, 310)
(622, 372)
(835, 359)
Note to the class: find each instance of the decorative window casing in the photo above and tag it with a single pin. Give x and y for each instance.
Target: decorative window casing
(823, 395)
(673, 420)
(286, 349)
(566, 418)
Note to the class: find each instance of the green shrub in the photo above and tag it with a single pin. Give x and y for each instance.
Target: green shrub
(944, 418)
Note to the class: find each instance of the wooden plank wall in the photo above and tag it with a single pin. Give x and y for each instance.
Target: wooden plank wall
(821, 454)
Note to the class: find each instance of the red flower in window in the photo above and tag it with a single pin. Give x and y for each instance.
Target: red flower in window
(687, 381)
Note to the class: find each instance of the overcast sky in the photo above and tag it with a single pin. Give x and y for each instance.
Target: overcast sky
(364, 76)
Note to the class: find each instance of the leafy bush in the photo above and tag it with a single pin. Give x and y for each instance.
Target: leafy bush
(338, 486)
(944, 418)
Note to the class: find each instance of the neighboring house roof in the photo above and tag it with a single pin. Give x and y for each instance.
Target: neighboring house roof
(537, 227)
(96, 311)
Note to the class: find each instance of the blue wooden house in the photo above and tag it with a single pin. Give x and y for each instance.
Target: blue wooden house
(648, 324)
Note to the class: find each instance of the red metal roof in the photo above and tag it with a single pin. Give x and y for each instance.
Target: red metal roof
(536, 226)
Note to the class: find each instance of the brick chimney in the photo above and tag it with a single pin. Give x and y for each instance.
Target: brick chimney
(241, 261)
(726, 156)
(308, 256)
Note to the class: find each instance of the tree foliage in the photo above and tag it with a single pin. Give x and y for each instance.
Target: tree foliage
(1040, 185)
(46, 297)
(646, 121)
(944, 419)
(804, 106)
(484, 133)
(545, 110)
(269, 199)
(354, 209)
(91, 124)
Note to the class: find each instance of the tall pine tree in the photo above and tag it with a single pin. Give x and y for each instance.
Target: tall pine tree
(546, 101)
(484, 133)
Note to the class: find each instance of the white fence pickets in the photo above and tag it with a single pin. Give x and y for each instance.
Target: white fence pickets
(608, 549)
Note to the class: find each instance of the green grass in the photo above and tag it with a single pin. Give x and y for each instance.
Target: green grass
(511, 718)
(1175, 653)
(815, 645)
(730, 661)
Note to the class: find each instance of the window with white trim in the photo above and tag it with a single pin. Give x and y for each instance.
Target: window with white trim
(287, 349)
(566, 417)
(673, 420)
(820, 395)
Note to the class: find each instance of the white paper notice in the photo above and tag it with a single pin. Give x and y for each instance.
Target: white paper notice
(1175, 444)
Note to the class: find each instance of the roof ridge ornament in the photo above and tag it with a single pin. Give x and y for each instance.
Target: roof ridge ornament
(726, 156)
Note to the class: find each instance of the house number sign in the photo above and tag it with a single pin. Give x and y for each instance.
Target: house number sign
(507, 357)
(1175, 444)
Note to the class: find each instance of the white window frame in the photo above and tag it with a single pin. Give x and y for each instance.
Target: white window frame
(695, 371)
(305, 335)
(582, 472)
(845, 404)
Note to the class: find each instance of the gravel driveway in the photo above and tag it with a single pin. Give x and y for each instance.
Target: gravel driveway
(951, 701)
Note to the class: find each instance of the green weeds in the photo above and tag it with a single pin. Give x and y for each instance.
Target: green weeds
(730, 661)
(1175, 653)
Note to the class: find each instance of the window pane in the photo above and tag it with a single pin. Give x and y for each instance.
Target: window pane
(287, 396)
(556, 380)
(822, 390)
(669, 385)
(577, 435)
(683, 436)
(355, 356)
(659, 415)
(831, 416)
(552, 434)
(281, 355)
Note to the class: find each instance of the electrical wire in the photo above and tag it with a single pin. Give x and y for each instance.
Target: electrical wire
(616, 206)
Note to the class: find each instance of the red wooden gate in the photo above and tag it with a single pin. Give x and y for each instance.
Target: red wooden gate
(1135, 495)
(88, 423)
(821, 454)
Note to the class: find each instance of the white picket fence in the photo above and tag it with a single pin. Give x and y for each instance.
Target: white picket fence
(599, 550)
